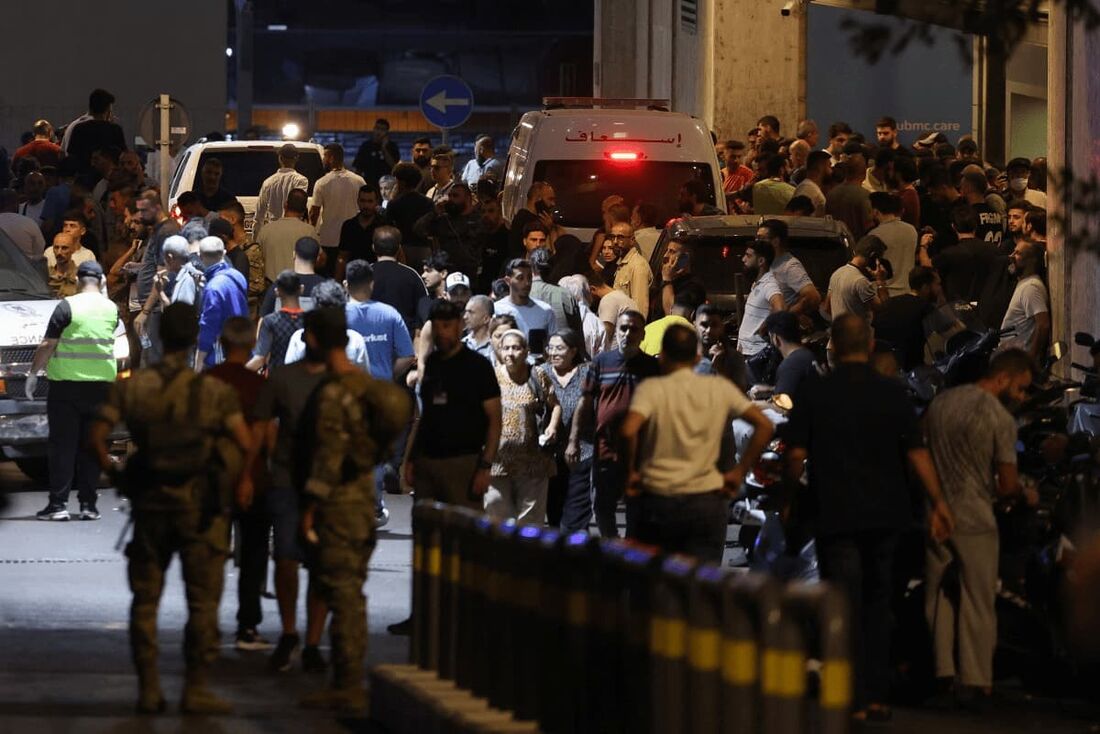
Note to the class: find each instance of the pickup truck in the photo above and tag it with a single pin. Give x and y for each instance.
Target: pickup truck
(26, 305)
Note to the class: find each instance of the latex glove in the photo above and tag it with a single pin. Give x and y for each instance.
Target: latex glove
(32, 383)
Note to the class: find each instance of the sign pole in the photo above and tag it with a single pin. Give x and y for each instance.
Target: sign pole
(445, 135)
(164, 139)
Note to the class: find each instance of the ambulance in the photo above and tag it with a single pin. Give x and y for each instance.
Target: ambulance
(26, 305)
(591, 148)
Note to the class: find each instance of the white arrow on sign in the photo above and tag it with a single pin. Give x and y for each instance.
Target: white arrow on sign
(441, 102)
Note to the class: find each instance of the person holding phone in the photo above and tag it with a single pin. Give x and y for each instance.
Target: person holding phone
(535, 318)
(678, 279)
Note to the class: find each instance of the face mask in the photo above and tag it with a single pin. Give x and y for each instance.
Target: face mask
(1018, 184)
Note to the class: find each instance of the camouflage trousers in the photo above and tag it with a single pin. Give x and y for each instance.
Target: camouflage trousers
(203, 548)
(345, 542)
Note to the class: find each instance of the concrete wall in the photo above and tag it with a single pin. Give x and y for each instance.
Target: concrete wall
(135, 49)
(759, 66)
(742, 60)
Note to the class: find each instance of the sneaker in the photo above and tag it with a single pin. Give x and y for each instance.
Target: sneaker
(382, 518)
(89, 512)
(53, 512)
(249, 639)
(283, 658)
(404, 629)
(312, 660)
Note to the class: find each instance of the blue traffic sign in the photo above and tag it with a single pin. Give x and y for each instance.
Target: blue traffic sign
(446, 101)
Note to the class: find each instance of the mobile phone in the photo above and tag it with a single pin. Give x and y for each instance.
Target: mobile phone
(683, 261)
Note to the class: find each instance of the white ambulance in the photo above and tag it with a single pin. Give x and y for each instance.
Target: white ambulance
(591, 148)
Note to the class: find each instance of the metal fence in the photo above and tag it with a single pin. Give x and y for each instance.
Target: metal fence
(572, 634)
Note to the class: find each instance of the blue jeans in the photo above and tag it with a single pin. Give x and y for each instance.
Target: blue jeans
(694, 524)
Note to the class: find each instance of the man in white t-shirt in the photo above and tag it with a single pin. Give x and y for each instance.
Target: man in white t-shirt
(1028, 313)
(535, 318)
(335, 199)
(818, 168)
(764, 298)
(678, 498)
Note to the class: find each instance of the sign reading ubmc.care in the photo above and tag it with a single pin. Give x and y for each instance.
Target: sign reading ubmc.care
(927, 89)
(446, 101)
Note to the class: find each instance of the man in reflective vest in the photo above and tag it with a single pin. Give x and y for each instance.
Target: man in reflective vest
(79, 349)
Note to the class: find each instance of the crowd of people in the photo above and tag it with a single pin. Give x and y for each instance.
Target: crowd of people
(551, 377)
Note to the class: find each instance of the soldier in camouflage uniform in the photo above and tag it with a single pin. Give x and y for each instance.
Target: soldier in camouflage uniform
(357, 420)
(169, 419)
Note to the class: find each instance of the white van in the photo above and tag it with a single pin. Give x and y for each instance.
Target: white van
(245, 165)
(589, 149)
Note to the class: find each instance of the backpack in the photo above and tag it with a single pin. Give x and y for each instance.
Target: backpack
(257, 284)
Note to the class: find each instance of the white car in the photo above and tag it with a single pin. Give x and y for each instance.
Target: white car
(589, 152)
(26, 305)
(245, 165)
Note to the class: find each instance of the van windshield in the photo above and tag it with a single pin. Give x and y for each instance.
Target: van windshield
(19, 281)
(244, 171)
(580, 186)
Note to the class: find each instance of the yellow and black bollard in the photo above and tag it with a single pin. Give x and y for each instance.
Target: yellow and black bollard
(639, 568)
(504, 630)
(483, 607)
(427, 566)
(782, 672)
(704, 649)
(668, 644)
(825, 608)
(747, 600)
(550, 643)
(579, 555)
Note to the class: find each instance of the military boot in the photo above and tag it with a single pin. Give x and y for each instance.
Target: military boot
(150, 698)
(337, 699)
(199, 699)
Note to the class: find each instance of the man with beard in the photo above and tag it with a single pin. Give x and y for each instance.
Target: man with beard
(611, 384)
(1028, 314)
(972, 437)
(694, 197)
(422, 158)
(453, 229)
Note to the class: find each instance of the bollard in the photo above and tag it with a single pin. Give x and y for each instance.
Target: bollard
(782, 672)
(579, 556)
(551, 640)
(504, 631)
(604, 625)
(747, 601)
(483, 606)
(528, 623)
(826, 609)
(704, 649)
(668, 644)
(448, 590)
(639, 568)
(468, 614)
(424, 648)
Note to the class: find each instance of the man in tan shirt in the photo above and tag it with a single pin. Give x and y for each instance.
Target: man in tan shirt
(633, 276)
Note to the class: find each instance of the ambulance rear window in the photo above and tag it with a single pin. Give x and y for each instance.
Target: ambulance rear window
(580, 186)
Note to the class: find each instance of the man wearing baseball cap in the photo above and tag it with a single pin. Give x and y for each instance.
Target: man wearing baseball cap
(78, 353)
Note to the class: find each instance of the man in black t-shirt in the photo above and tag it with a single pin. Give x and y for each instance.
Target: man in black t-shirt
(798, 365)
(406, 209)
(860, 435)
(460, 421)
(357, 233)
(991, 222)
(396, 284)
(906, 321)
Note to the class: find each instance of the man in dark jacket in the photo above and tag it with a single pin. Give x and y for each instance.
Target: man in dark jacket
(455, 230)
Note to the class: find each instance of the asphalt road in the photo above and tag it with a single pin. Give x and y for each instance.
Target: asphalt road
(64, 654)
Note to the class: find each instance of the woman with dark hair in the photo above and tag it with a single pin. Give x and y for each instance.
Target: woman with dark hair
(569, 502)
(531, 420)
